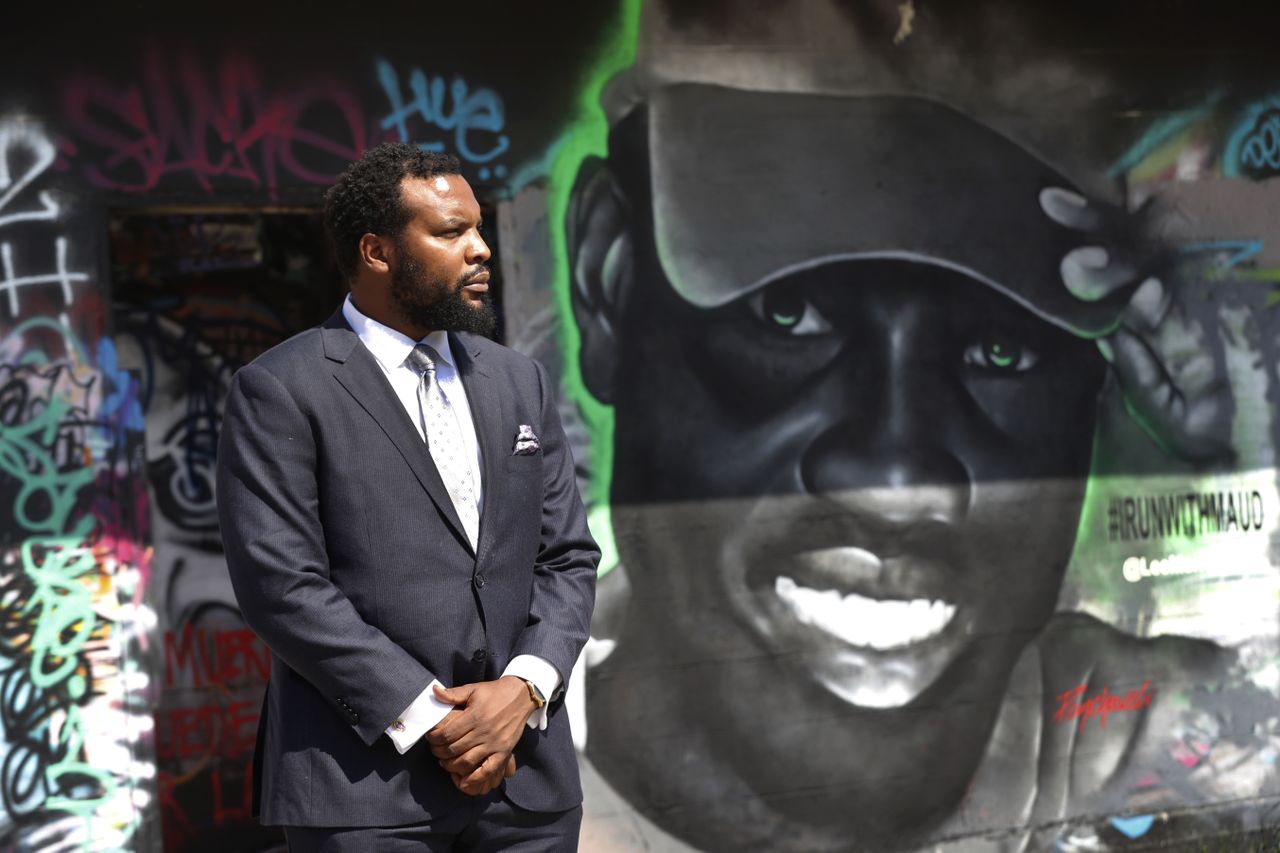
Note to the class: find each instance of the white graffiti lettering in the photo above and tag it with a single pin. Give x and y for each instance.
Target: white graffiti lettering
(11, 283)
(1137, 568)
(17, 137)
(13, 137)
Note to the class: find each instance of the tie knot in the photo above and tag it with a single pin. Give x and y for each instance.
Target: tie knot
(422, 359)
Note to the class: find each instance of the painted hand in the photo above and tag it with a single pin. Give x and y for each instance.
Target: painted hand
(1168, 353)
(473, 743)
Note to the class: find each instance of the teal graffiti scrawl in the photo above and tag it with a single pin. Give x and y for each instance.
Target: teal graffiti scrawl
(1253, 148)
(72, 562)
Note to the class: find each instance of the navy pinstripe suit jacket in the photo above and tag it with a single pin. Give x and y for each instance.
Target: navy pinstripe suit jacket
(348, 559)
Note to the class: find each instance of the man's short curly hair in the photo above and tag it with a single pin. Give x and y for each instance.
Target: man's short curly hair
(366, 197)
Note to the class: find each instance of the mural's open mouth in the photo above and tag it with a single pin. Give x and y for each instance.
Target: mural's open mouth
(880, 624)
(852, 596)
(874, 631)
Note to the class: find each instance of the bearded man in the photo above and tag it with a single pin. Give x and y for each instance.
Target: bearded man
(404, 531)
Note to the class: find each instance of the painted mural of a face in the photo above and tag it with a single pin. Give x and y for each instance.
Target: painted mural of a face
(854, 413)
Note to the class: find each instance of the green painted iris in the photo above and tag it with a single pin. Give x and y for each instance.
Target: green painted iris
(783, 309)
(1000, 354)
(1003, 354)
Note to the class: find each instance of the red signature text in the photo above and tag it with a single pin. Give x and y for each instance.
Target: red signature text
(1071, 706)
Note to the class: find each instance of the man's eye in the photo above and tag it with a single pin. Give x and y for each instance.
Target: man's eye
(785, 310)
(1000, 354)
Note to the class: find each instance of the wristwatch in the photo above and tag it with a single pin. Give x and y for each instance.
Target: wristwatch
(535, 694)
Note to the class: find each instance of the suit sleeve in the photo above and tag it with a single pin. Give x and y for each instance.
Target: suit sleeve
(564, 574)
(269, 510)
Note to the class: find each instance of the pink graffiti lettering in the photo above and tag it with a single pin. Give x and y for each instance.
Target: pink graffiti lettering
(227, 126)
(1100, 704)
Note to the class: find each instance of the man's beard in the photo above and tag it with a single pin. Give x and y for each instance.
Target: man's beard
(432, 303)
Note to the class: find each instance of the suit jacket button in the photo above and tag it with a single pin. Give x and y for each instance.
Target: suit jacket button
(479, 656)
(479, 581)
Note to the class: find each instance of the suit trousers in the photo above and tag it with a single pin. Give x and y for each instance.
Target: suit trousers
(489, 824)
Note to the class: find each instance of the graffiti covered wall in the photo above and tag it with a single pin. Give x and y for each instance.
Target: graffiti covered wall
(75, 698)
(920, 363)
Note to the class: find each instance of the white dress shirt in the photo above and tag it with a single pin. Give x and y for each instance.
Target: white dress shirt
(390, 349)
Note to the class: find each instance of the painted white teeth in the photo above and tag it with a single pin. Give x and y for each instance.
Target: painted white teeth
(865, 622)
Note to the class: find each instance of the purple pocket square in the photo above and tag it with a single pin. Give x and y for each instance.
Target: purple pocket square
(526, 442)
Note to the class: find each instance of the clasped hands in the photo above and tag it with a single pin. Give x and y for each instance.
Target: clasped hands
(473, 742)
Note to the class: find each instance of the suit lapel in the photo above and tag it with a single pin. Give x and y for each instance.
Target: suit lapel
(484, 398)
(360, 375)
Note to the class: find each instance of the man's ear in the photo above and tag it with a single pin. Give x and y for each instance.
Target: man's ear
(374, 253)
(601, 256)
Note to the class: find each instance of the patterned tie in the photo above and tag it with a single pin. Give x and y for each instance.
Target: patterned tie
(444, 440)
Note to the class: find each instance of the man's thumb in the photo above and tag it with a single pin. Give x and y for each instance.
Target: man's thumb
(454, 695)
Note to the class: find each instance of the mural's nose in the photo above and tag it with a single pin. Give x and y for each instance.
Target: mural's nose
(890, 480)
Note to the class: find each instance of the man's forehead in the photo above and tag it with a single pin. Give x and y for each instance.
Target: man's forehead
(752, 186)
(439, 195)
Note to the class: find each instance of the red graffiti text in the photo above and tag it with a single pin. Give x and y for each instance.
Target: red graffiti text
(1070, 706)
(197, 658)
(226, 731)
(219, 799)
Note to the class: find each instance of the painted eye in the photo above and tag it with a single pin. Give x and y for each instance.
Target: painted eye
(785, 310)
(1000, 354)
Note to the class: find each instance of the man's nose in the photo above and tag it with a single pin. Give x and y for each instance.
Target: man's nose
(478, 250)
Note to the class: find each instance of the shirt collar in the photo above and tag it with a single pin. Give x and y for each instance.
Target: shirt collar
(387, 345)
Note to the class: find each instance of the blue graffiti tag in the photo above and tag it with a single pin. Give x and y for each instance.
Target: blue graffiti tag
(1241, 250)
(472, 111)
(1254, 146)
(1262, 147)
(122, 399)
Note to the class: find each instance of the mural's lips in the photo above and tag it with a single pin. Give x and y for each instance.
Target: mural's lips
(873, 631)
(851, 570)
(867, 623)
(852, 595)
(868, 651)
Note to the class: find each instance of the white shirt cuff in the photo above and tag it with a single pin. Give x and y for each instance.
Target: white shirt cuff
(418, 719)
(544, 675)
